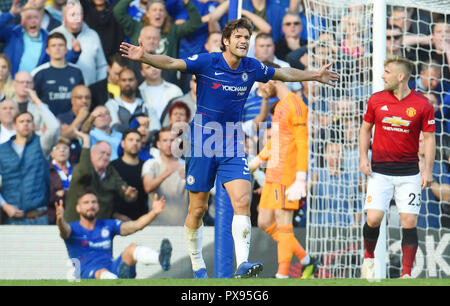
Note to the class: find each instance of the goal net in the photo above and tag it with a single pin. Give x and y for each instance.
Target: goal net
(341, 32)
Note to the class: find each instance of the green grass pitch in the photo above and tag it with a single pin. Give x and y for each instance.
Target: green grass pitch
(231, 282)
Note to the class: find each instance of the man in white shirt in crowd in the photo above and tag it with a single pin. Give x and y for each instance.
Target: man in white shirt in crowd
(165, 176)
(157, 92)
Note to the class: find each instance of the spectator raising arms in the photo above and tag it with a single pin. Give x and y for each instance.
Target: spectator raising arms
(156, 15)
(22, 41)
(91, 61)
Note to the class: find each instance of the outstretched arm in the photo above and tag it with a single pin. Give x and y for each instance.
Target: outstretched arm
(288, 74)
(137, 53)
(132, 227)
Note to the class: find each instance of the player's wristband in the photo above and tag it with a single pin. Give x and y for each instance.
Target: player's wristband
(300, 176)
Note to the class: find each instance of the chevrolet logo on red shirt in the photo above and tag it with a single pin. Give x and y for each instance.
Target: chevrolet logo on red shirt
(396, 121)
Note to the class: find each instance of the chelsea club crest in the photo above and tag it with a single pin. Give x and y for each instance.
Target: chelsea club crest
(245, 77)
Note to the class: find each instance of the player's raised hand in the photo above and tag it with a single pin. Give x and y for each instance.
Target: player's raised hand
(59, 209)
(326, 76)
(132, 52)
(158, 204)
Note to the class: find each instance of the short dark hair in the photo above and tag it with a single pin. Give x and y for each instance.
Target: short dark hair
(85, 191)
(119, 59)
(263, 36)
(56, 35)
(242, 23)
(20, 114)
(166, 128)
(129, 131)
(438, 20)
(128, 69)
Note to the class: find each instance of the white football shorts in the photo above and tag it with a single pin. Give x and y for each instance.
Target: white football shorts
(406, 191)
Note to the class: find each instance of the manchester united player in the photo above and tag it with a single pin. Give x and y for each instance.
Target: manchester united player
(399, 115)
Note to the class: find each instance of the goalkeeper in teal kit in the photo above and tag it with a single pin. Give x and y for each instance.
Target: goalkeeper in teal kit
(224, 80)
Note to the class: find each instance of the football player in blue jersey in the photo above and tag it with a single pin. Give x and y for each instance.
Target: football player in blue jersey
(89, 241)
(216, 148)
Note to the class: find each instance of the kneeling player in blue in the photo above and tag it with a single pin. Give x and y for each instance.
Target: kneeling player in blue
(89, 241)
(224, 80)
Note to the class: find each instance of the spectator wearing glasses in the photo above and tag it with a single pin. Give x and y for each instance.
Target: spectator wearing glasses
(60, 175)
(291, 28)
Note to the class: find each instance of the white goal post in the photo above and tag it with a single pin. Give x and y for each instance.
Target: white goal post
(353, 35)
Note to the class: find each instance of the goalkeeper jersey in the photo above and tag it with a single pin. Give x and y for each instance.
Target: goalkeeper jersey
(287, 151)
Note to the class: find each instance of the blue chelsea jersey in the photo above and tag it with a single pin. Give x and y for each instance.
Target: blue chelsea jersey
(93, 248)
(222, 91)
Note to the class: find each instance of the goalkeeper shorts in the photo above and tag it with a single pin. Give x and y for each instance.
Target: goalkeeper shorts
(406, 191)
(273, 196)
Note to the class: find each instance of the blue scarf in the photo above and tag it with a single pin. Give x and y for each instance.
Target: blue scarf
(64, 178)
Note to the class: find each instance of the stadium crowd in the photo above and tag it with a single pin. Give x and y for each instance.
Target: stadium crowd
(75, 114)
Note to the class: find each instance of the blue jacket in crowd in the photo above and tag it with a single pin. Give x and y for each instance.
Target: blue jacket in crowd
(12, 35)
(25, 181)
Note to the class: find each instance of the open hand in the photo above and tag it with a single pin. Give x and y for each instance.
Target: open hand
(132, 52)
(158, 205)
(15, 7)
(326, 76)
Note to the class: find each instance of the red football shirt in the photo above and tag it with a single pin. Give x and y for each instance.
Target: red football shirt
(398, 125)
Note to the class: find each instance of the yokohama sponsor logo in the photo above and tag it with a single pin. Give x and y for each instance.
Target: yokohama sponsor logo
(234, 88)
(230, 88)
